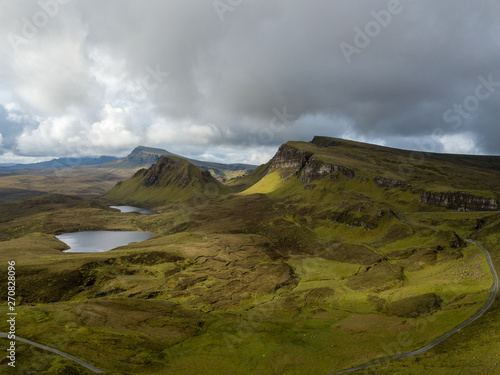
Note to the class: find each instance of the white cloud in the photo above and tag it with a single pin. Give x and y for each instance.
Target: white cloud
(119, 86)
(52, 75)
(17, 115)
(227, 154)
(462, 143)
(62, 135)
(114, 130)
(74, 134)
(11, 158)
(163, 132)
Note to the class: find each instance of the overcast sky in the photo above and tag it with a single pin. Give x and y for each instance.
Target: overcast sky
(231, 80)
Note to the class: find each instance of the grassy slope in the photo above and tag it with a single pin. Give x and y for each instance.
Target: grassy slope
(244, 182)
(473, 350)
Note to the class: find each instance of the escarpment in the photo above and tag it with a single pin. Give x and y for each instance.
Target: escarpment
(291, 161)
(459, 201)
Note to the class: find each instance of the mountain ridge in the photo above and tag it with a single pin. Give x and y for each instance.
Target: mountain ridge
(60, 163)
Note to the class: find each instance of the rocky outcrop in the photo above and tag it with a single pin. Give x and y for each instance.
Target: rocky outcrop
(386, 182)
(353, 221)
(460, 201)
(289, 160)
(303, 164)
(315, 170)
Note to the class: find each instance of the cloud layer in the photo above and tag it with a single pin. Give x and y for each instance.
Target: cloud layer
(234, 79)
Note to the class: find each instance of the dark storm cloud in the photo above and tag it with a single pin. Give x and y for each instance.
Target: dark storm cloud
(212, 76)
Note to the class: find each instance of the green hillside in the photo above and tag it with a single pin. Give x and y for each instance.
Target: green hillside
(170, 179)
(437, 172)
(329, 170)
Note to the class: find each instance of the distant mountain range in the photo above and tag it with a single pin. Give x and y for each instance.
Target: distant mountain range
(58, 163)
(140, 157)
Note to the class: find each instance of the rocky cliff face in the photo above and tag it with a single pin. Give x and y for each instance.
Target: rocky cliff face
(460, 201)
(289, 160)
(315, 169)
(304, 165)
(386, 182)
(141, 156)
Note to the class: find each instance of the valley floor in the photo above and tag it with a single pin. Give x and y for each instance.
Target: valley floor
(249, 284)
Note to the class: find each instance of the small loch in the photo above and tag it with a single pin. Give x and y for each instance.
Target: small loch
(100, 241)
(127, 209)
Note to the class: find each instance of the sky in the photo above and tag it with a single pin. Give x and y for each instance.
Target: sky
(231, 80)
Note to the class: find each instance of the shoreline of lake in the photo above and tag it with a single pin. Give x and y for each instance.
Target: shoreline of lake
(100, 241)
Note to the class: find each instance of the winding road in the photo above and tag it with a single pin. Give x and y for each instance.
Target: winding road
(62, 354)
(487, 305)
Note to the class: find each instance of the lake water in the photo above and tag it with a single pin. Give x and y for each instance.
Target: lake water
(142, 211)
(99, 241)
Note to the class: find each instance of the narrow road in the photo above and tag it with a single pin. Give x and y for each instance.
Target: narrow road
(62, 354)
(487, 305)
